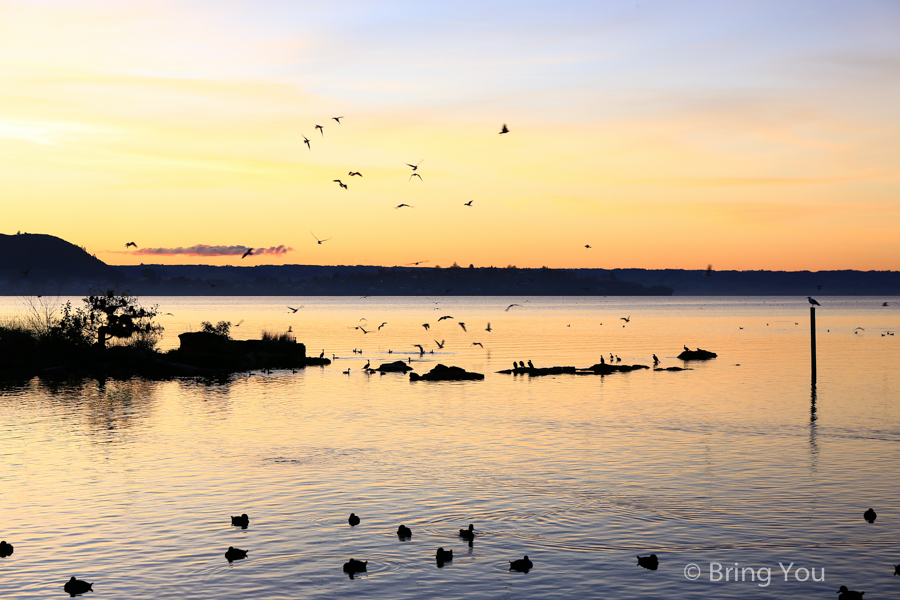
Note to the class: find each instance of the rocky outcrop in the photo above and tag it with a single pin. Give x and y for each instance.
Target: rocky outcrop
(397, 366)
(445, 373)
(698, 354)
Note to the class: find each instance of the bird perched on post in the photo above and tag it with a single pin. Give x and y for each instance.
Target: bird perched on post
(812, 301)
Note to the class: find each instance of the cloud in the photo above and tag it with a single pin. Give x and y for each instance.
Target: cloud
(205, 250)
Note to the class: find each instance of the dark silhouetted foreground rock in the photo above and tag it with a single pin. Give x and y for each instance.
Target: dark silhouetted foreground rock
(395, 367)
(598, 369)
(698, 354)
(606, 369)
(444, 373)
(673, 369)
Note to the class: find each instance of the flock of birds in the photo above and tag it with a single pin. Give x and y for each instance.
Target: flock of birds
(75, 587)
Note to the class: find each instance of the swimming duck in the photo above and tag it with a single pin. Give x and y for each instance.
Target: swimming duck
(355, 566)
(846, 594)
(468, 534)
(870, 516)
(235, 554)
(649, 562)
(404, 531)
(241, 521)
(443, 555)
(353, 520)
(5, 549)
(523, 564)
(73, 587)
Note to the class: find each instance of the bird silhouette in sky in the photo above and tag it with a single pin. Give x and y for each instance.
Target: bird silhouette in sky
(463, 325)
(504, 130)
(341, 183)
(416, 263)
(510, 306)
(488, 328)
(587, 246)
(440, 344)
(354, 174)
(469, 203)
(421, 349)
(415, 175)
(212, 285)
(294, 309)
(626, 319)
(247, 253)
(130, 244)
(321, 130)
(477, 344)
(382, 325)
(363, 330)
(444, 317)
(402, 205)
(306, 141)
(415, 166)
(426, 326)
(338, 119)
(812, 301)
(317, 239)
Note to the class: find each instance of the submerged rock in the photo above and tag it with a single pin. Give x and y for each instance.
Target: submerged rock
(394, 367)
(698, 354)
(445, 373)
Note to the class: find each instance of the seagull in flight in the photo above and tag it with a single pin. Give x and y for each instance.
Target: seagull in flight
(477, 344)
(469, 203)
(306, 141)
(321, 130)
(488, 328)
(504, 130)
(130, 244)
(294, 309)
(626, 319)
(587, 246)
(247, 253)
(382, 325)
(341, 183)
(463, 325)
(511, 305)
(812, 301)
(317, 239)
(338, 119)
(402, 205)
(415, 166)
(416, 263)
(440, 344)
(354, 174)
(426, 326)
(415, 175)
(421, 349)
(444, 317)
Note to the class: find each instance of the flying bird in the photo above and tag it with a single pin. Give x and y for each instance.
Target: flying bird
(488, 328)
(426, 326)
(341, 183)
(511, 305)
(421, 349)
(626, 319)
(294, 309)
(238, 324)
(402, 205)
(321, 130)
(363, 330)
(440, 344)
(469, 203)
(354, 174)
(415, 175)
(417, 263)
(306, 141)
(247, 253)
(415, 166)
(338, 119)
(504, 130)
(587, 245)
(382, 325)
(317, 239)
(130, 244)
(463, 325)
(477, 344)
(812, 301)
(444, 317)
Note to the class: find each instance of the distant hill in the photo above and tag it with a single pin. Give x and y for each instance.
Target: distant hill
(37, 263)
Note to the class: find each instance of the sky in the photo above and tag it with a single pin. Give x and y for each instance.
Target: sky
(746, 135)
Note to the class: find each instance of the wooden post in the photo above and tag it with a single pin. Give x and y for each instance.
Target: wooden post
(812, 339)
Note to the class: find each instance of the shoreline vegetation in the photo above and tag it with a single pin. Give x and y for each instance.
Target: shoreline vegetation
(38, 264)
(110, 335)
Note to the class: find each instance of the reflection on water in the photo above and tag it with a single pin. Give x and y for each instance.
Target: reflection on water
(131, 484)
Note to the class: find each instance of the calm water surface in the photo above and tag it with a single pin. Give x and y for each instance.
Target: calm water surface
(130, 484)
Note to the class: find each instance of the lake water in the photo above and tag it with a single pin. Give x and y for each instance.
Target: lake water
(131, 484)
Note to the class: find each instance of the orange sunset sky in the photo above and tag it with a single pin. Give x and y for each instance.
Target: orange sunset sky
(749, 135)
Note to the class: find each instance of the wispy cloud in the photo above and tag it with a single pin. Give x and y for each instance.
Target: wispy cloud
(206, 250)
